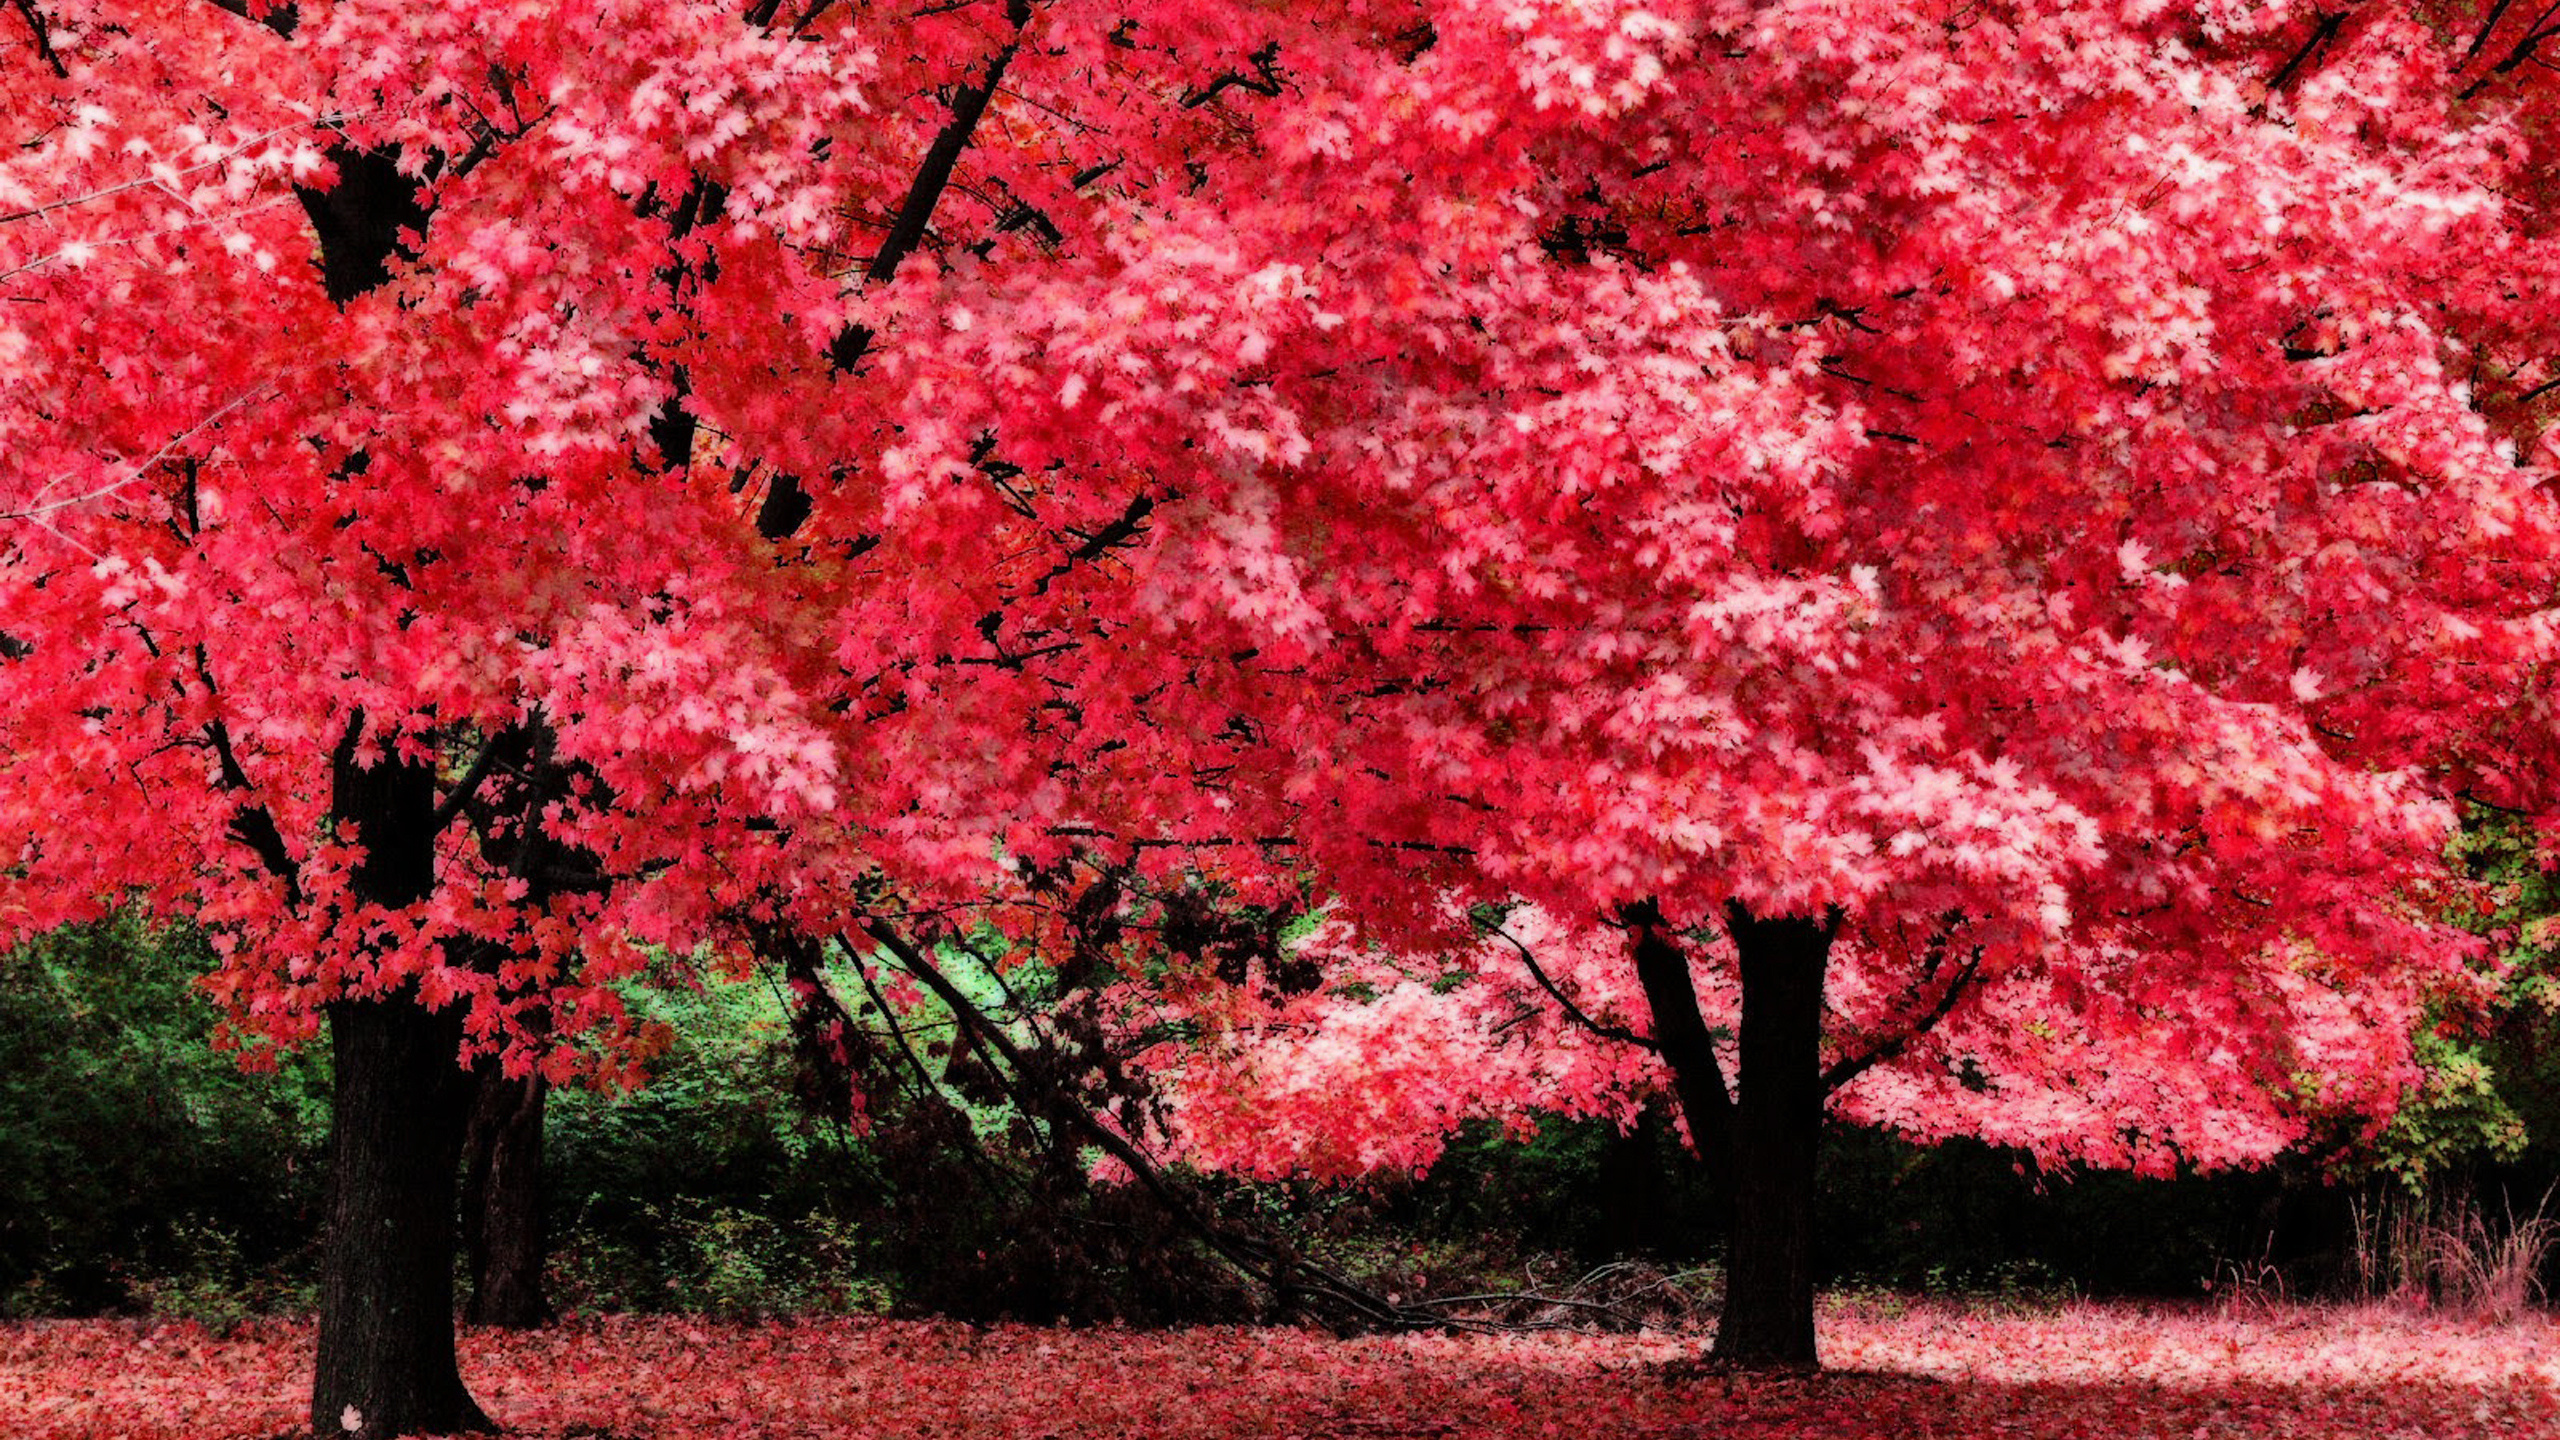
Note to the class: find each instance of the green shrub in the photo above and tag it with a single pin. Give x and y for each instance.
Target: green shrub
(704, 1257)
(138, 1166)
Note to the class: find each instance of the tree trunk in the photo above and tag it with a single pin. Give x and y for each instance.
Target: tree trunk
(1763, 1139)
(386, 1363)
(502, 1203)
(1680, 1034)
(1767, 1320)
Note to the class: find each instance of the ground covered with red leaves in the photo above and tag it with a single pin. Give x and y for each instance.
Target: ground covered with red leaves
(1899, 1373)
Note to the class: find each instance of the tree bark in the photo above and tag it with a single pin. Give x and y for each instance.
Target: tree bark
(1680, 1033)
(1764, 1135)
(386, 1364)
(502, 1203)
(1767, 1321)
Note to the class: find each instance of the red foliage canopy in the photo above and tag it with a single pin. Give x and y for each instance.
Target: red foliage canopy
(2054, 482)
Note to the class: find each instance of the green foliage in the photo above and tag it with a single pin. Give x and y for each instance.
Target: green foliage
(704, 1257)
(2490, 1100)
(715, 1121)
(2462, 1111)
(707, 1189)
(138, 1167)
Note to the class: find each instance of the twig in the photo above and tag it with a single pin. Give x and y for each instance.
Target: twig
(39, 511)
(1572, 1010)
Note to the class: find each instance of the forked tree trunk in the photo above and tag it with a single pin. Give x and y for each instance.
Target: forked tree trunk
(1765, 1137)
(502, 1203)
(386, 1363)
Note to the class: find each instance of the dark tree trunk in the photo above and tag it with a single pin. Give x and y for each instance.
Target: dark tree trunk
(1631, 1192)
(1765, 1137)
(386, 1363)
(1680, 1033)
(502, 1203)
(1767, 1320)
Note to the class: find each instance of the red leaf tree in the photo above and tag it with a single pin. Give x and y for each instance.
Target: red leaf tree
(1987, 549)
(2038, 503)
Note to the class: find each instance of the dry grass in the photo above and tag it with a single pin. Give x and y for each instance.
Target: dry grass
(2452, 1255)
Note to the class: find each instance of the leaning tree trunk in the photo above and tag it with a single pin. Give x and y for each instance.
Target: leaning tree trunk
(386, 1364)
(502, 1203)
(1765, 1138)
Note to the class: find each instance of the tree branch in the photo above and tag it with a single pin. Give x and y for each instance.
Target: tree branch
(2488, 26)
(1265, 80)
(1680, 1032)
(1849, 1068)
(2323, 31)
(281, 18)
(933, 177)
(787, 504)
(1572, 1011)
(1131, 523)
(509, 746)
(252, 824)
(2536, 31)
(40, 28)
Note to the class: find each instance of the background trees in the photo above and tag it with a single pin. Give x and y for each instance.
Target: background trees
(142, 1167)
(158, 1180)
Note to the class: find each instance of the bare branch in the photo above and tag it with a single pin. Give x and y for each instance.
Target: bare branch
(1849, 1068)
(1572, 1011)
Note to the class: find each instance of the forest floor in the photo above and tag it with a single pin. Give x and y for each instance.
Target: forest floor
(1917, 1370)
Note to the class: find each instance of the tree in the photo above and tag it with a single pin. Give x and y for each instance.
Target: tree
(368, 598)
(502, 1201)
(2062, 514)
(505, 495)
